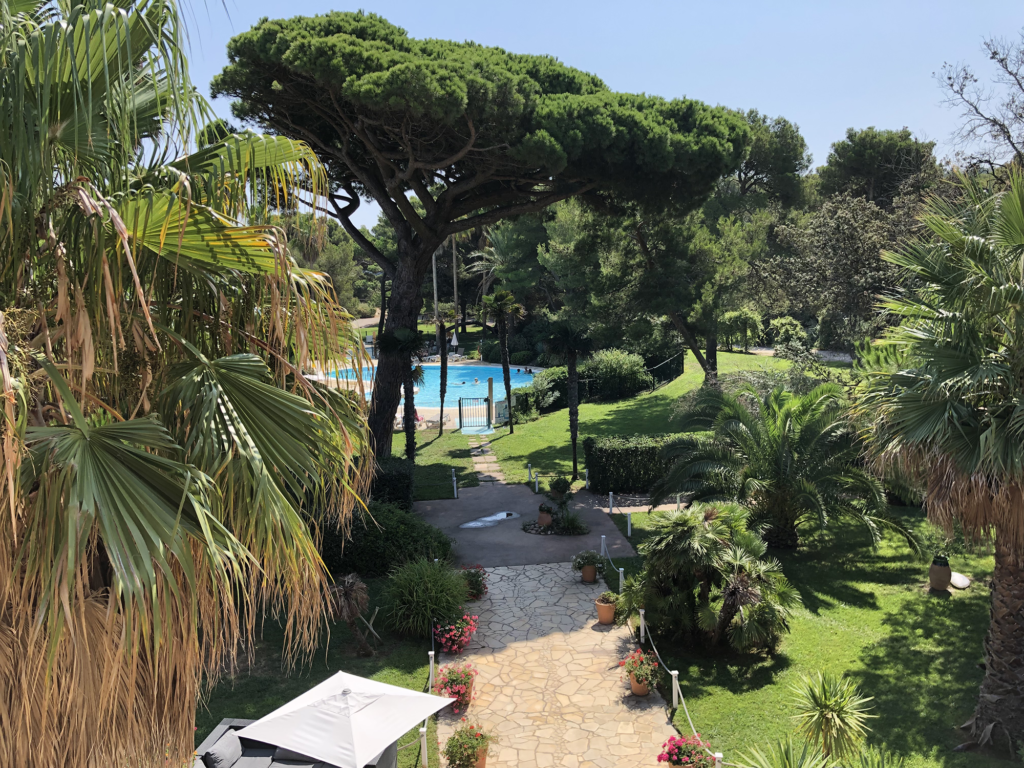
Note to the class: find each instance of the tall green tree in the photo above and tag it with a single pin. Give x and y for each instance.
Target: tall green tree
(878, 165)
(950, 414)
(569, 339)
(778, 157)
(447, 317)
(163, 454)
(502, 305)
(475, 135)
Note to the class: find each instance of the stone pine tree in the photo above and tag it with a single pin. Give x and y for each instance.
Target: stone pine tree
(472, 134)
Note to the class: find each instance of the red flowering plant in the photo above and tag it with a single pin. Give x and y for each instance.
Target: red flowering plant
(455, 637)
(463, 746)
(456, 681)
(686, 750)
(476, 580)
(642, 666)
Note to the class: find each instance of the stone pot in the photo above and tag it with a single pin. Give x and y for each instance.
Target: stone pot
(605, 612)
(481, 758)
(589, 574)
(543, 519)
(940, 574)
(637, 688)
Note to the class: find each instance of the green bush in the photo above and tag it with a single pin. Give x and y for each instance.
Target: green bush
(628, 464)
(384, 537)
(520, 358)
(491, 352)
(787, 329)
(421, 592)
(393, 483)
(554, 382)
(613, 374)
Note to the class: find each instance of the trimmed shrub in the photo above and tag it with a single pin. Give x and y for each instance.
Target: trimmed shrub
(421, 592)
(612, 374)
(631, 464)
(520, 358)
(786, 329)
(393, 483)
(491, 352)
(386, 537)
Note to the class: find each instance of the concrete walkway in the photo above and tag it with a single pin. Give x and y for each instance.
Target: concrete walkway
(549, 685)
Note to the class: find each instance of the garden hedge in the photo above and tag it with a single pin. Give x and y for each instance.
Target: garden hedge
(393, 483)
(384, 537)
(627, 464)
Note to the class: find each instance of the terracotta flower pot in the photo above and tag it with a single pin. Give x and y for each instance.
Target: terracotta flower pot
(481, 758)
(589, 574)
(605, 612)
(544, 519)
(939, 576)
(637, 688)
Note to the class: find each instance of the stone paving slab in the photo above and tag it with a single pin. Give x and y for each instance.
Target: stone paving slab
(549, 686)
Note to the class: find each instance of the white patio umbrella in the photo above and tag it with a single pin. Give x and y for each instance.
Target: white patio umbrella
(346, 720)
(455, 340)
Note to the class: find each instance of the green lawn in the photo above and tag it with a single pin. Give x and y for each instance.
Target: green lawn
(545, 443)
(866, 613)
(264, 686)
(435, 457)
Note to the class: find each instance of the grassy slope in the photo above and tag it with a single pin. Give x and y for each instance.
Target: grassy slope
(265, 686)
(545, 442)
(435, 457)
(868, 614)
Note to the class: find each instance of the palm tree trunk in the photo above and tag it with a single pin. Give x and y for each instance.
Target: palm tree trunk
(1000, 708)
(443, 350)
(505, 368)
(574, 409)
(409, 416)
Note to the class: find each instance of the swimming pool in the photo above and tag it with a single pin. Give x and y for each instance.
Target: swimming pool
(460, 382)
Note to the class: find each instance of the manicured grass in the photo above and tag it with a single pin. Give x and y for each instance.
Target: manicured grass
(264, 686)
(866, 613)
(435, 457)
(545, 443)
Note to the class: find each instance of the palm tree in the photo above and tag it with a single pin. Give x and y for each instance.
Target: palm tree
(491, 260)
(832, 712)
(569, 340)
(793, 460)
(502, 304)
(162, 449)
(447, 315)
(950, 415)
(349, 598)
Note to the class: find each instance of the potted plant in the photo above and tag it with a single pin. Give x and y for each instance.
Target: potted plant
(606, 607)
(544, 515)
(686, 750)
(455, 681)
(559, 487)
(467, 747)
(476, 580)
(940, 574)
(588, 564)
(455, 636)
(642, 670)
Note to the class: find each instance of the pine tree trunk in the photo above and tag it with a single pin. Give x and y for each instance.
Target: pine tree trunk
(574, 409)
(711, 356)
(1000, 712)
(506, 373)
(409, 416)
(383, 304)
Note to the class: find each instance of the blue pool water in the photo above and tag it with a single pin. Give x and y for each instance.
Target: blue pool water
(429, 395)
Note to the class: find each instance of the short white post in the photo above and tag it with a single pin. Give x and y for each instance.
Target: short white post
(604, 547)
(529, 472)
(677, 502)
(430, 680)
(622, 579)
(587, 475)
(424, 759)
(629, 524)
(718, 760)
(675, 689)
(536, 483)
(611, 502)
(643, 626)
(455, 483)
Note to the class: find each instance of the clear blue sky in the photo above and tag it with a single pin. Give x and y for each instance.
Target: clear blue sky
(825, 65)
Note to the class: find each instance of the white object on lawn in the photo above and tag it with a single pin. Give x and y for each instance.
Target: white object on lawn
(959, 581)
(346, 720)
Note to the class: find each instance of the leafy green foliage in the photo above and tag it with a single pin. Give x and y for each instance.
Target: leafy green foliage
(393, 483)
(382, 537)
(744, 326)
(787, 330)
(625, 464)
(832, 713)
(421, 593)
(786, 754)
(521, 358)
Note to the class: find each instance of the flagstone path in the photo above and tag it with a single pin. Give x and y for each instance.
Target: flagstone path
(549, 686)
(484, 463)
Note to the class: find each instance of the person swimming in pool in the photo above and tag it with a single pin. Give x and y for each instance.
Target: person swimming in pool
(476, 381)
(517, 370)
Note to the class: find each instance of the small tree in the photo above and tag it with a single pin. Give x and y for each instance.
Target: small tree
(503, 306)
(569, 340)
(832, 713)
(447, 314)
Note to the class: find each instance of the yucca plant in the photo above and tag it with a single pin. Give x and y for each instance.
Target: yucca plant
(793, 460)
(785, 754)
(163, 451)
(831, 713)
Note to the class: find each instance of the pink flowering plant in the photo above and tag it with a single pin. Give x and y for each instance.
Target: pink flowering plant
(476, 580)
(690, 751)
(455, 637)
(642, 666)
(455, 681)
(463, 746)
